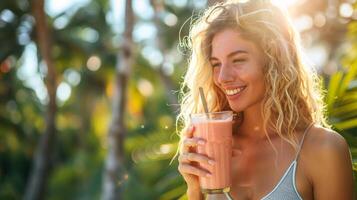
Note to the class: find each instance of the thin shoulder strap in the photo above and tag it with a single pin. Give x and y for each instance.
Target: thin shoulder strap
(302, 140)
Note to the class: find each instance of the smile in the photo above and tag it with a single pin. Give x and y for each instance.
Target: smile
(234, 91)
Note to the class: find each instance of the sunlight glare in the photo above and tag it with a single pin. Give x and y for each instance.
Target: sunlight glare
(56, 7)
(286, 3)
(304, 22)
(346, 10)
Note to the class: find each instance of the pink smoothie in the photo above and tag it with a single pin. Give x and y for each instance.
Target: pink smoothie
(218, 136)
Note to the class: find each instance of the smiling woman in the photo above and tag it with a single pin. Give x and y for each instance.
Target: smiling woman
(237, 63)
(246, 56)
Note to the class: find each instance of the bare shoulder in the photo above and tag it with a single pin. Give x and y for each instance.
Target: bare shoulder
(328, 164)
(323, 141)
(325, 146)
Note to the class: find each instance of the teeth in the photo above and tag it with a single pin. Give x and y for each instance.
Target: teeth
(234, 91)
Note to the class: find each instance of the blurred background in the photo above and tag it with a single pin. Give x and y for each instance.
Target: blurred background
(89, 91)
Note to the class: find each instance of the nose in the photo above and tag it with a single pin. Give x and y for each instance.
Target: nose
(225, 74)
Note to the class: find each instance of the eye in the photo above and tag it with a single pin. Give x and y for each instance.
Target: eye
(215, 64)
(240, 60)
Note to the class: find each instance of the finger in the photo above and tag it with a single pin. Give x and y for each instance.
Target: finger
(191, 142)
(189, 131)
(186, 133)
(185, 168)
(188, 157)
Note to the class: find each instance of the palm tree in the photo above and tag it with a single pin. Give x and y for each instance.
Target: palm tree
(114, 165)
(41, 164)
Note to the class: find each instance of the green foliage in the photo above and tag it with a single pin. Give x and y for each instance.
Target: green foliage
(341, 97)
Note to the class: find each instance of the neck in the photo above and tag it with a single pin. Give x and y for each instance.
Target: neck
(252, 125)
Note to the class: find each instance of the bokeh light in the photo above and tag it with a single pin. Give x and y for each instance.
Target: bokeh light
(145, 87)
(94, 63)
(346, 10)
(63, 91)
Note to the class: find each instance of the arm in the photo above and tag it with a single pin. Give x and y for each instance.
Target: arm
(331, 171)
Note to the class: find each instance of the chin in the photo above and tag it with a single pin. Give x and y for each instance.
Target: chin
(236, 108)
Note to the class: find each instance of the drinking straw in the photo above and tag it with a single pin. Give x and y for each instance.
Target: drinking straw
(204, 102)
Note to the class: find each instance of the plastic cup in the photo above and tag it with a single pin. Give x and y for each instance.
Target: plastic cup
(216, 129)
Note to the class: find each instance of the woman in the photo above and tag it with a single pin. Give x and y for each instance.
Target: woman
(247, 58)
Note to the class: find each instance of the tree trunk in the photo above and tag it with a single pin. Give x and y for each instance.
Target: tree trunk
(36, 185)
(165, 79)
(114, 175)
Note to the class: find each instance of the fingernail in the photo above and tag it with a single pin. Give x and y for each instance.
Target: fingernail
(201, 142)
(209, 175)
(211, 162)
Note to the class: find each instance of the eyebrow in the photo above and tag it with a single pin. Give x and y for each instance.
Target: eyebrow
(232, 54)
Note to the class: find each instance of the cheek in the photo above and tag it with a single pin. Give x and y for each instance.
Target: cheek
(256, 78)
(215, 72)
(260, 83)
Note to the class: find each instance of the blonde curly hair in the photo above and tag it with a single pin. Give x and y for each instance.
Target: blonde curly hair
(293, 97)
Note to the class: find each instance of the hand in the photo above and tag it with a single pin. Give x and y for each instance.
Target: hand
(187, 167)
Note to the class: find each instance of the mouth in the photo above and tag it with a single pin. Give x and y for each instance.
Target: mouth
(235, 91)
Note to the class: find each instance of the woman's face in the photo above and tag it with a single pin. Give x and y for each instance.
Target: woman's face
(238, 69)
